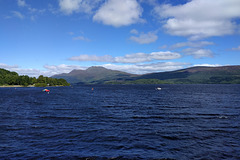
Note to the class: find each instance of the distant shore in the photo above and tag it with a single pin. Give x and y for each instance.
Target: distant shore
(18, 86)
(14, 86)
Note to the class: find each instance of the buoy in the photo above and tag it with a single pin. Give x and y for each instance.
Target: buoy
(92, 89)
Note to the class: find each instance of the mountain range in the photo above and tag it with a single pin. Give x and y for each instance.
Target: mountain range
(193, 75)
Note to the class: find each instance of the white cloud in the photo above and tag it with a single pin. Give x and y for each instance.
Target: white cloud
(8, 67)
(62, 68)
(147, 68)
(195, 44)
(236, 49)
(199, 19)
(32, 13)
(50, 69)
(198, 53)
(81, 38)
(133, 58)
(136, 69)
(165, 55)
(70, 6)
(144, 38)
(30, 72)
(119, 13)
(21, 71)
(85, 57)
(129, 58)
(21, 3)
(18, 14)
(208, 65)
(144, 57)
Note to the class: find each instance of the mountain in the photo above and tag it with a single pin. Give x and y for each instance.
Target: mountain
(193, 75)
(208, 75)
(95, 75)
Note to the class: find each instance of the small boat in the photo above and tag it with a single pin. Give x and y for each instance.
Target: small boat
(158, 88)
(46, 90)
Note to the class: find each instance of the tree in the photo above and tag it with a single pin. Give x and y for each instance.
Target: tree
(12, 78)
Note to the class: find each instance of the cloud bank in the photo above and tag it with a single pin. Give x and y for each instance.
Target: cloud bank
(129, 58)
(51, 70)
(147, 68)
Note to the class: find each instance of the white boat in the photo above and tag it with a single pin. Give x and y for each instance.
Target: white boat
(158, 88)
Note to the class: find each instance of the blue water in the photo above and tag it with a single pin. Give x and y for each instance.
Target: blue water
(121, 122)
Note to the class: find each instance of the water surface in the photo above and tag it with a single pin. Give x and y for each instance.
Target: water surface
(121, 121)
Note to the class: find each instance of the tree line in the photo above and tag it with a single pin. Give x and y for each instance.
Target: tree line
(12, 78)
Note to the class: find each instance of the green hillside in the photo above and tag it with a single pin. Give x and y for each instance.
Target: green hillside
(199, 75)
(8, 78)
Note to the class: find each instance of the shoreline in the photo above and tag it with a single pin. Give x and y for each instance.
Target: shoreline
(15, 86)
(20, 86)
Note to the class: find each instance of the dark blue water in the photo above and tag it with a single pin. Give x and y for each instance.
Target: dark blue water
(121, 122)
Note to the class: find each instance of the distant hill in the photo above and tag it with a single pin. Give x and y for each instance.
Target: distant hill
(95, 75)
(193, 75)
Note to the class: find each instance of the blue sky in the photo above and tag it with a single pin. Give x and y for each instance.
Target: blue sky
(137, 36)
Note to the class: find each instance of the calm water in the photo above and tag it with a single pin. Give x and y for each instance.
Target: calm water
(125, 121)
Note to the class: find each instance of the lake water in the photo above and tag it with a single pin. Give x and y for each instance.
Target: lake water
(121, 122)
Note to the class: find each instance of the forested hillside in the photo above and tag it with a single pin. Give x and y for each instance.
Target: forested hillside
(12, 78)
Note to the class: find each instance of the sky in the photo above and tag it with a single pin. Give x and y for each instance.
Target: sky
(48, 37)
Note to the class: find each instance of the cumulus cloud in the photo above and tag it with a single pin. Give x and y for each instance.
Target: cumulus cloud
(129, 58)
(70, 6)
(147, 68)
(198, 53)
(143, 38)
(199, 19)
(119, 13)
